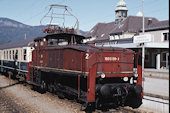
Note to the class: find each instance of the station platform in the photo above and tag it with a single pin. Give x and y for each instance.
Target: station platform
(156, 86)
(156, 73)
(156, 91)
(156, 82)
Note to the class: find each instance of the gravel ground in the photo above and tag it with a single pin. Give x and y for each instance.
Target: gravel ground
(35, 102)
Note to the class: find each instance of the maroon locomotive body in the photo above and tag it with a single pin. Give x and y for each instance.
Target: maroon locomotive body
(96, 76)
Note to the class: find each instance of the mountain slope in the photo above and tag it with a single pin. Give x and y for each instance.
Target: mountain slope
(11, 30)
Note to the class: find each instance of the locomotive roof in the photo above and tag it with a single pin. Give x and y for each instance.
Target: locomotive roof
(60, 36)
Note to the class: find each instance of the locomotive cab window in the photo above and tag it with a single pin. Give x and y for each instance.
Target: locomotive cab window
(41, 43)
(35, 44)
(55, 42)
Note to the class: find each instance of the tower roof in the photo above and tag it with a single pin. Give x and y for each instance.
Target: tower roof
(121, 5)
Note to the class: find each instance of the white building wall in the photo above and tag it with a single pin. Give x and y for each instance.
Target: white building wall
(158, 35)
(123, 36)
(127, 35)
(90, 39)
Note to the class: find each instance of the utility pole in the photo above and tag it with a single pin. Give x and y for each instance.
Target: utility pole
(143, 45)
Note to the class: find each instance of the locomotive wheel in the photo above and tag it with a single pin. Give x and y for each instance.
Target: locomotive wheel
(43, 87)
(98, 103)
(133, 101)
(34, 87)
(50, 88)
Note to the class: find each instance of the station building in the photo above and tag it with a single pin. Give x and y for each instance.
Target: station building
(126, 29)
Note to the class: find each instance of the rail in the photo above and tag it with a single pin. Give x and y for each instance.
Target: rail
(156, 96)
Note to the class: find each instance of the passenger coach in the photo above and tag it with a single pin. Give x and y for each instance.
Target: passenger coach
(15, 58)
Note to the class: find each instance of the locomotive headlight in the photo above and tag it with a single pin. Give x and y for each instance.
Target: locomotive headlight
(135, 81)
(125, 79)
(136, 75)
(102, 75)
(131, 80)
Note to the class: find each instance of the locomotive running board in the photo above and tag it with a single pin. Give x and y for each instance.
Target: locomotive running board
(32, 83)
(64, 71)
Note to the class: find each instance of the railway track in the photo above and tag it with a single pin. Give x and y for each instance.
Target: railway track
(8, 106)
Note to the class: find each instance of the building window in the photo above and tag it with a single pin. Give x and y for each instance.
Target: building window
(147, 57)
(166, 36)
(163, 57)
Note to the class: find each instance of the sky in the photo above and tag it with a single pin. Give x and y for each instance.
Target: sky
(88, 12)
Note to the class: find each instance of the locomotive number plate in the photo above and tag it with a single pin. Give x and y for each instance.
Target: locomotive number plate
(111, 58)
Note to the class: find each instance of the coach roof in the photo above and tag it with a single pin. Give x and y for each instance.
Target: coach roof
(21, 43)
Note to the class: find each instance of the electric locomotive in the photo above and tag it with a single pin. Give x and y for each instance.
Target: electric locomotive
(96, 76)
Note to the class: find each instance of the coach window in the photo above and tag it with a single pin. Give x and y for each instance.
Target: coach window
(10, 54)
(4, 55)
(7, 54)
(16, 55)
(13, 53)
(25, 54)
